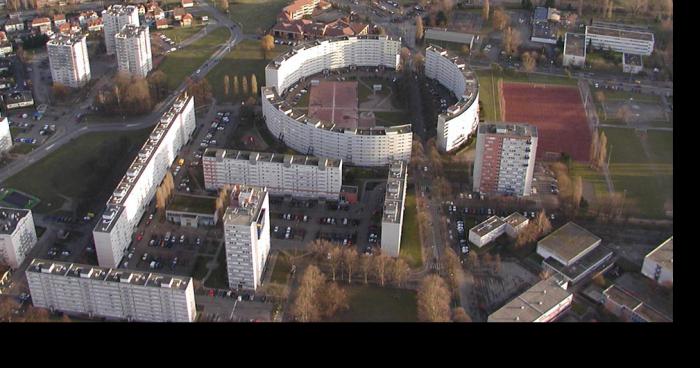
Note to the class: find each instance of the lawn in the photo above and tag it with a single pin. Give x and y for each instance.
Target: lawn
(191, 203)
(22, 148)
(280, 273)
(392, 118)
(87, 168)
(219, 277)
(245, 59)
(179, 34)
(648, 182)
(410, 239)
(488, 94)
(256, 16)
(200, 267)
(624, 95)
(512, 76)
(182, 63)
(377, 304)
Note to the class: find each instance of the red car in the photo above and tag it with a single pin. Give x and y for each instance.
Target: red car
(139, 236)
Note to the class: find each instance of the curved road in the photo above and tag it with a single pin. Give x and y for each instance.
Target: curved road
(75, 130)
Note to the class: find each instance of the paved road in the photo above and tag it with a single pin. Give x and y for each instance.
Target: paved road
(73, 131)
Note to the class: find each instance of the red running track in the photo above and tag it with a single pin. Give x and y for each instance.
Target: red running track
(556, 111)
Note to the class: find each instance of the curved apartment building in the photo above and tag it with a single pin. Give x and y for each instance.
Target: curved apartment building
(376, 146)
(461, 119)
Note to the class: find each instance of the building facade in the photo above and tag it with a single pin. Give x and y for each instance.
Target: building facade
(295, 175)
(620, 38)
(377, 146)
(658, 264)
(394, 205)
(68, 59)
(133, 45)
(543, 302)
(111, 293)
(5, 135)
(114, 19)
(113, 232)
(247, 236)
(17, 235)
(455, 126)
(487, 231)
(505, 159)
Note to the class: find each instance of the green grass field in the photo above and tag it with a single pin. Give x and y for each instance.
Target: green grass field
(219, 277)
(245, 59)
(256, 16)
(392, 118)
(410, 239)
(22, 148)
(74, 170)
(648, 181)
(179, 34)
(280, 274)
(488, 89)
(377, 304)
(182, 63)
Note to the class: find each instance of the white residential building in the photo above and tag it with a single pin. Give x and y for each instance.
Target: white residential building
(5, 135)
(505, 158)
(574, 50)
(543, 302)
(113, 233)
(620, 38)
(394, 204)
(658, 264)
(68, 58)
(515, 222)
(114, 19)
(17, 235)
(295, 175)
(133, 45)
(247, 236)
(461, 119)
(111, 293)
(487, 231)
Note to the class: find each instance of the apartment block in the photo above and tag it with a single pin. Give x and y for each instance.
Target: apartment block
(17, 235)
(124, 209)
(295, 175)
(505, 158)
(111, 293)
(620, 38)
(658, 264)
(5, 135)
(247, 235)
(68, 58)
(133, 45)
(394, 204)
(114, 19)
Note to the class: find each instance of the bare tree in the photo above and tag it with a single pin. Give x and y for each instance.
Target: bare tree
(418, 62)
(244, 84)
(511, 41)
(331, 299)
(500, 19)
(267, 44)
(543, 224)
(334, 259)
(603, 151)
(305, 307)
(485, 10)
(577, 192)
(624, 113)
(380, 267)
(223, 5)
(226, 84)
(529, 62)
(236, 89)
(420, 29)
(579, 8)
(400, 271)
(404, 57)
(349, 260)
(365, 263)
(460, 315)
(453, 268)
(595, 146)
(253, 85)
(7, 308)
(433, 300)
(60, 91)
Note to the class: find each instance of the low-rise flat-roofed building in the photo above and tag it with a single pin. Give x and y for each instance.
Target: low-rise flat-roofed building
(545, 25)
(111, 293)
(620, 38)
(541, 303)
(514, 223)
(443, 35)
(192, 210)
(394, 205)
(487, 231)
(17, 235)
(574, 50)
(632, 63)
(573, 252)
(628, 307)
(17, 99)
(658, 264)
(246, 235)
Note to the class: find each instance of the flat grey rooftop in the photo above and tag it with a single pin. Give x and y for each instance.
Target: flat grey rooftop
(569, 241)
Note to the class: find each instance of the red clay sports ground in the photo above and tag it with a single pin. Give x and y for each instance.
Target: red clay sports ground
(556, 111)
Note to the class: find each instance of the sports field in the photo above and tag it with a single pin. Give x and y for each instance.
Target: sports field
(335, 102)
(556, 111)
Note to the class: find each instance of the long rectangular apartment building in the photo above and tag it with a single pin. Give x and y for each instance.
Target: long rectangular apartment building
(133, 45)
(246, 236)
(295, 175)
(68, 59)
(113, 233)
(17, 235)
(394, 204)
(5, 134)
(620, 38)
(114, 19)
(505, 158)
(112, 293)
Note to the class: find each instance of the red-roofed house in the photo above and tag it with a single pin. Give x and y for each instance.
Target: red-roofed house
(59, 19)
(162, 24)
(187, 3)
(298, 9)
(64, 28)
(43, 24)
(178, 13)
(186, 20)
(95, 25)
